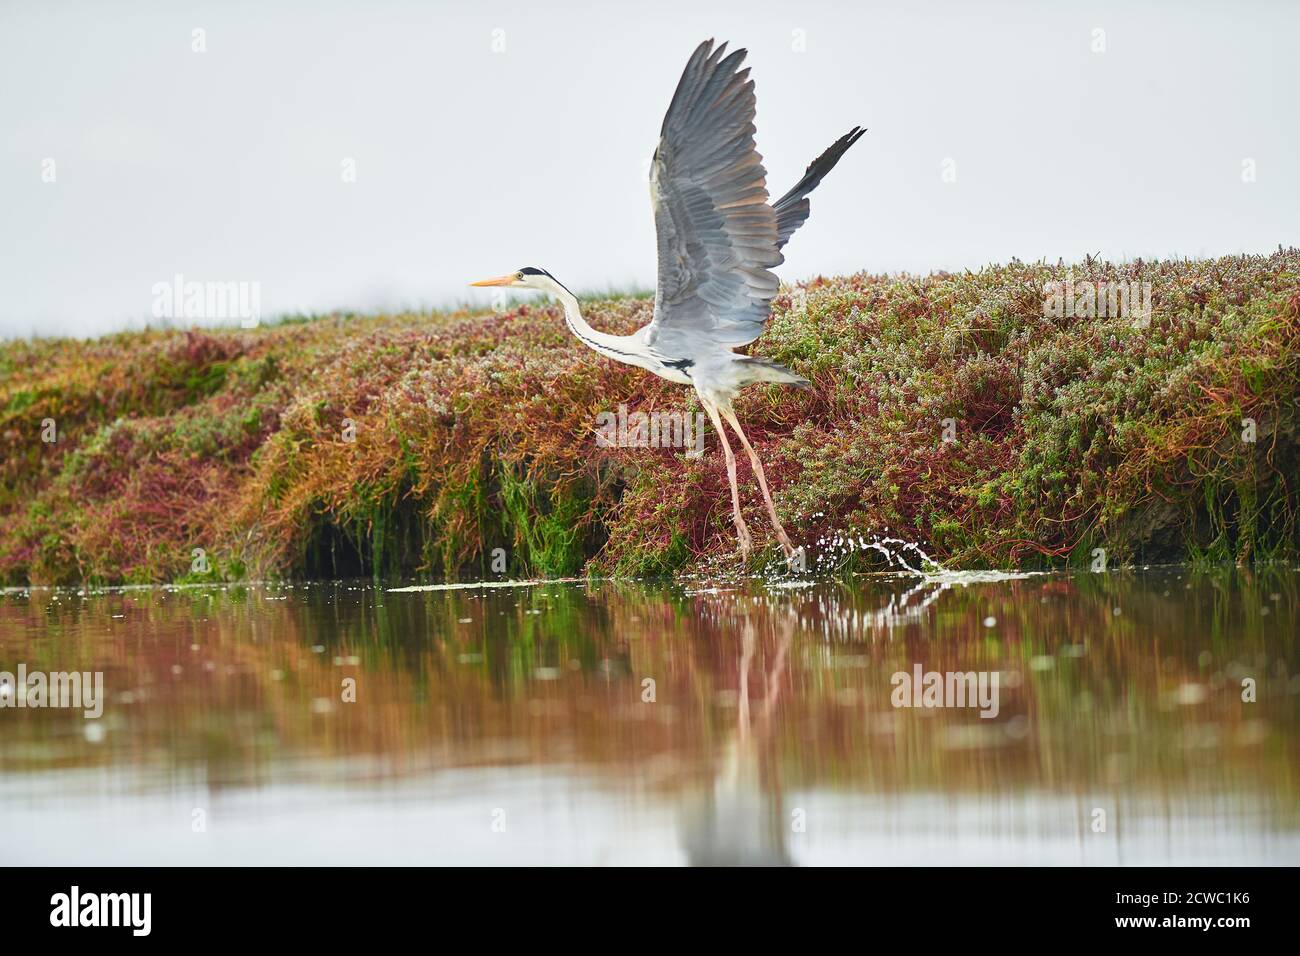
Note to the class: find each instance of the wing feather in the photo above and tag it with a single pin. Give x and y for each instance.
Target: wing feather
(717, 233)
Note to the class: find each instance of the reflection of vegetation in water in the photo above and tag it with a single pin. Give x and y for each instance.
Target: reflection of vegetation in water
(1123, 684)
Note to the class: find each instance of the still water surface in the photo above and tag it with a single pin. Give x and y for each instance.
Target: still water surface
(624, 723)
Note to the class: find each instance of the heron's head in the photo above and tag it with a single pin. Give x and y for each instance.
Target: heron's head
(525, 278)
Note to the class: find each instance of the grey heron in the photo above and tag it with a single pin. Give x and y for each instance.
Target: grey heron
(718, 239)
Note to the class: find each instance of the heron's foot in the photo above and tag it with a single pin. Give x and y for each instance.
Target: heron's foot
(786, 546)
(743, 539)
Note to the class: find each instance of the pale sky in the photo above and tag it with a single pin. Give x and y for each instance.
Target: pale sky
(491, 135)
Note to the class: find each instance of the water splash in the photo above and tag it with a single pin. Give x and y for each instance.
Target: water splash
(833, 550)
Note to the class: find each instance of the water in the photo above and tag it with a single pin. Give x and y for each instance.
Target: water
(610, 722)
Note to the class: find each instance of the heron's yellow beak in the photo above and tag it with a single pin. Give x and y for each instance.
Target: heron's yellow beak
(499, 280)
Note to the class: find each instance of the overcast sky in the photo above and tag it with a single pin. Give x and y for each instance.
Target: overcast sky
(490, 135)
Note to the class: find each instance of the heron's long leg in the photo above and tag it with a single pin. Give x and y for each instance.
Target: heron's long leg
(742, 532)
(762, 483)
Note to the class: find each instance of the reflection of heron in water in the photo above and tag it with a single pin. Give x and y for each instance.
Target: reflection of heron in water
(740, 820)
(737, 822)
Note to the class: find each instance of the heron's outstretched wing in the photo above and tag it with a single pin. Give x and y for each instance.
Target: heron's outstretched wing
(792, 208)
(717, 233)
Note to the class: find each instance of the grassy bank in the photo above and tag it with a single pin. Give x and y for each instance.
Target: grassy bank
(947, 410)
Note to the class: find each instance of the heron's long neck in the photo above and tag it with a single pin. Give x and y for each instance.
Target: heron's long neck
(622, 348)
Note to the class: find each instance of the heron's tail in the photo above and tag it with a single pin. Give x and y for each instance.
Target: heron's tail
(792, 208)
(756, 369)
